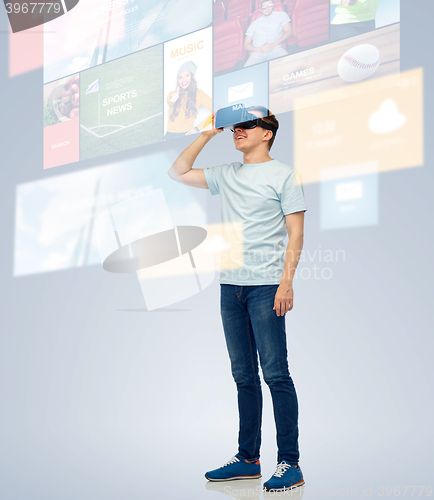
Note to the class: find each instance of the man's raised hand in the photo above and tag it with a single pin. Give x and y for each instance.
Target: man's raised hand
(214, 131)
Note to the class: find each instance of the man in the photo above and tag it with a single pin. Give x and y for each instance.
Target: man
(264, 36)
(352, 17)
(262, 196)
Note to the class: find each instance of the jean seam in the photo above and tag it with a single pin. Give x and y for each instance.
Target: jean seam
(250, 329)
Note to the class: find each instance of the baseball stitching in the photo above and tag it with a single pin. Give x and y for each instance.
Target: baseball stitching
(358, 64)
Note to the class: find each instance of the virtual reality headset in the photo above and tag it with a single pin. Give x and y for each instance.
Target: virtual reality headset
(238, 115)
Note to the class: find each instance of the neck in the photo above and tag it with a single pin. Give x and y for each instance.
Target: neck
(256, 157)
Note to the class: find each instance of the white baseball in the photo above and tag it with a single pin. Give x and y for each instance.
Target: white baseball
(359, 63)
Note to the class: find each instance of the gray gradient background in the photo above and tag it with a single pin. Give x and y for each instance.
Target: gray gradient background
(101, 399)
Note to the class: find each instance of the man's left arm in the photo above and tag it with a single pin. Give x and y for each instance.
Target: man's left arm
(287, 32)
(284, 298)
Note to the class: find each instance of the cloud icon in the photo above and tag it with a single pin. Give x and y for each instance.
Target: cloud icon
(387, 118)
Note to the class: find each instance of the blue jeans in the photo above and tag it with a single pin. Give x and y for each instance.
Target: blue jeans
(251, 325)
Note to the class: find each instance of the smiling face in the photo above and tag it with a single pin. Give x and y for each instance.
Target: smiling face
(184, 79)
(246, 140)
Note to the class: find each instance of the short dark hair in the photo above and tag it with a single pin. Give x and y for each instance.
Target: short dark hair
(263, 1)
(269, 118)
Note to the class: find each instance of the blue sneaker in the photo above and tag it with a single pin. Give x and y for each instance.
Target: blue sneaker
(286, 477)
(235, 468)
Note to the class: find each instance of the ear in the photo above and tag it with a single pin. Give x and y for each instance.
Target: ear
(268, 135)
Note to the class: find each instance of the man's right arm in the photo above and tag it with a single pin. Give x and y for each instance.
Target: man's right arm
(248, 41)
(182, 171)
(248, 45)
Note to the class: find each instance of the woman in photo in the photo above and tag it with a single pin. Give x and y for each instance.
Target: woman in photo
(184, 103)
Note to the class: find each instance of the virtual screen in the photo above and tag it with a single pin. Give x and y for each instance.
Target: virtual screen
(113, 341)
(122, 74)
(56, 224)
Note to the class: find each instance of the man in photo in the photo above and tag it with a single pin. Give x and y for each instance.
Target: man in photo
(265, 197)
(352, 17)
(264, 37)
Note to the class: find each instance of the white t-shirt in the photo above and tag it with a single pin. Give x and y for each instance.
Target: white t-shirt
(254, 201)
(267, 29)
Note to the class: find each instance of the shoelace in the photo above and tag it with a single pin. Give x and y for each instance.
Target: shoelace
(281, 469)
(231, 461)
